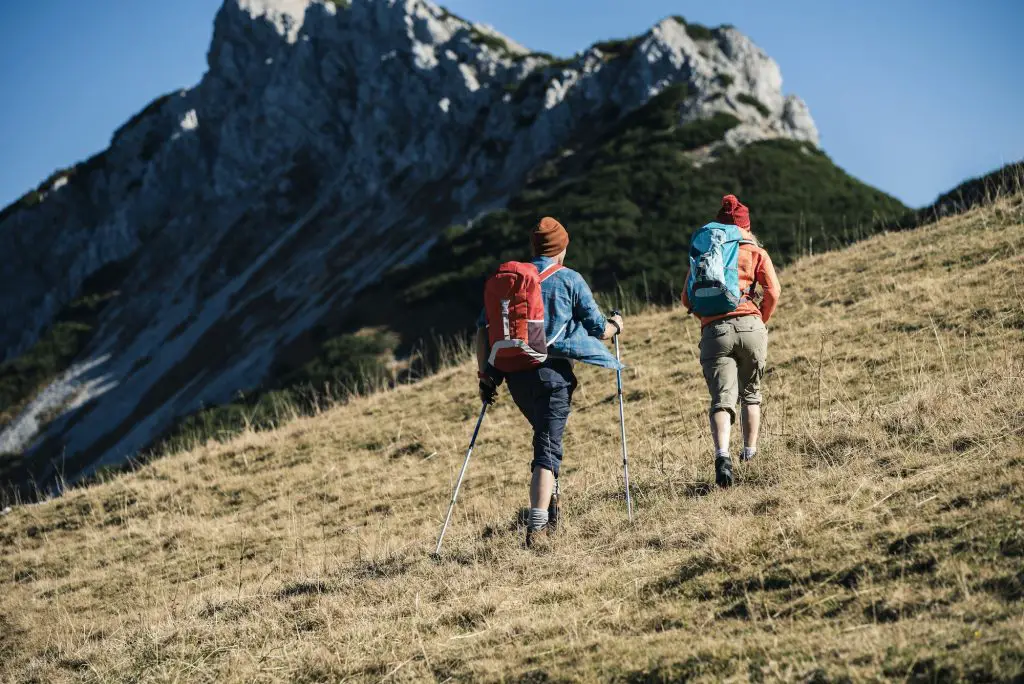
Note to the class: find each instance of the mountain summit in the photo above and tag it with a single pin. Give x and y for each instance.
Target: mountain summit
(328, 144)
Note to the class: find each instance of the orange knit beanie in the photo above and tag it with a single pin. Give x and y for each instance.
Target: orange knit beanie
(549, 238)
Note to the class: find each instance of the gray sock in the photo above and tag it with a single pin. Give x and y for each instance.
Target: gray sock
(722, 453)
(748, 453)
(538, 519)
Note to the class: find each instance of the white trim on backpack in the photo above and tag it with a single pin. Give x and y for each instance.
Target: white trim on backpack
(516, 344)
(504, 317)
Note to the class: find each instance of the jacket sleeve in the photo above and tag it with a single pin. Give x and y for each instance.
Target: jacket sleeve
(585, 309)
(769, 283)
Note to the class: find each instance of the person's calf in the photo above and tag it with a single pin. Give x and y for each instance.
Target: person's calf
(721, 425)
(542, 485)
(751, 415)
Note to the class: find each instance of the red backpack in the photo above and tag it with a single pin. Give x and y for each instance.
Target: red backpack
(515, 316)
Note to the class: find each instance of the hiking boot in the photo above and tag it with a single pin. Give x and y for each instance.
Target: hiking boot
(532, 536)
(723, 471)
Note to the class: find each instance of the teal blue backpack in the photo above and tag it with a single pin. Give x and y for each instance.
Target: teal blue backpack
(713, 287)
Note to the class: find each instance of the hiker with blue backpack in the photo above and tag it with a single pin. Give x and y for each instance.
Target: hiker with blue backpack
(539, 317)
(726, 266)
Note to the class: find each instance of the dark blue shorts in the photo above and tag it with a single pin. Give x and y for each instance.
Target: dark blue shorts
(543, 395)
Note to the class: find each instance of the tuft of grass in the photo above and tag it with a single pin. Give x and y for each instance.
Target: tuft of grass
(868, 540)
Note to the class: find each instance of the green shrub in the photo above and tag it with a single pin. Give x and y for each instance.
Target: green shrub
(699, 32)
(724, 80)
(694, 30)
(344, 365)
(152, 107)
(755, 103)
(72, 173)
(563, 62)
(705, 131)
(1003, 181)
(539, 54)
(493, 42)
(614, 49)
(350, 361)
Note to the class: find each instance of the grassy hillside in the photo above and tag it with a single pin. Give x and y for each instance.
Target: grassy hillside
(877, 536)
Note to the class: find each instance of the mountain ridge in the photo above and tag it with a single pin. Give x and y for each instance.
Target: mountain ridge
(314, 157)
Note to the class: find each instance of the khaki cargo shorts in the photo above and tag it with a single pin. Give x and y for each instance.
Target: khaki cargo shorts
(733, 352)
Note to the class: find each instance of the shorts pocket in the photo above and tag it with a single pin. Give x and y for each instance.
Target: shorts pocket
(715, 342)
(714, 331)
(747, 324)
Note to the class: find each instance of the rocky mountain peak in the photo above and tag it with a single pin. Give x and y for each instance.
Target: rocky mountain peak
(328, 143)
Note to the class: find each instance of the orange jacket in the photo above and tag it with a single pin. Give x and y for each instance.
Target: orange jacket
(754, 266)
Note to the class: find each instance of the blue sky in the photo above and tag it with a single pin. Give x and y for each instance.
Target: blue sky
(912, 96)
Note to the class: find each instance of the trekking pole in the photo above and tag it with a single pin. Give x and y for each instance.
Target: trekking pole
(622, 426)
(455, 494)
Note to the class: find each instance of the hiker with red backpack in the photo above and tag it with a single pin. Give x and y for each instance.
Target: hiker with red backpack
(538, 318)
(726, 265)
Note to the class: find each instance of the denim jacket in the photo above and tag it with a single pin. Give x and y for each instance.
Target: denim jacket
(573, 323)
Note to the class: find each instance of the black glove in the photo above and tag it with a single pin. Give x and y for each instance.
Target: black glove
(488, 389)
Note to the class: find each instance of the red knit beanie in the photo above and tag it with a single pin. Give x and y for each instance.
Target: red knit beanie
(549, 238)
(733, 212)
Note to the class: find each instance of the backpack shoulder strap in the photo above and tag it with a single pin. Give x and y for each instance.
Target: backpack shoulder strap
(550, 271)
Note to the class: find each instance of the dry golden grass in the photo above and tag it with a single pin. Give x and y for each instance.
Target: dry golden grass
(878, 534)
